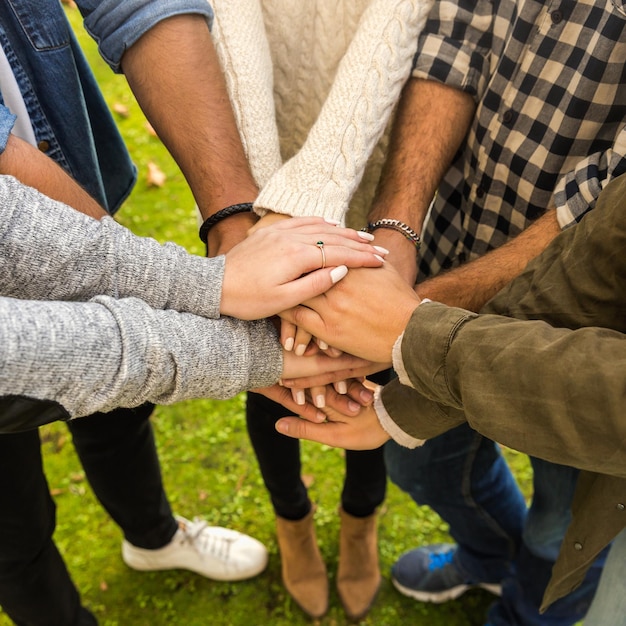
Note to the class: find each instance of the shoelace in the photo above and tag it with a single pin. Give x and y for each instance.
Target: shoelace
(217, 546)
(436, 560)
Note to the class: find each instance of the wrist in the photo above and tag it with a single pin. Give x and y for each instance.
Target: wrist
(398, 226)
(228, 233)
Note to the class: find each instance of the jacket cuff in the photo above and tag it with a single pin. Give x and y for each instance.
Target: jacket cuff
(425, 346)
(390, 427)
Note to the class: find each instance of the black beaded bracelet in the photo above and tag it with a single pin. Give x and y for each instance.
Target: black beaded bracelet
(399, 226)
(244, 207)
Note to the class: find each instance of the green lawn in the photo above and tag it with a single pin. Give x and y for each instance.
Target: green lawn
(210, 470)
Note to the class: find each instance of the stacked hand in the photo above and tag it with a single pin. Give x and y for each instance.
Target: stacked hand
(289, 262)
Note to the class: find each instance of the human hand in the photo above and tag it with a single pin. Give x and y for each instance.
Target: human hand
(280, 266)
(360, 432)
(313, 374)
(364, 314)
(348, 404)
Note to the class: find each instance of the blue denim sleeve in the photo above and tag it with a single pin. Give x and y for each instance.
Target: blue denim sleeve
(117, 24)
(7, 120)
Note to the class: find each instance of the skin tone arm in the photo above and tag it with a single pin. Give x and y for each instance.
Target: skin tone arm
(431, 123)
(472, 285)
(35, 169)
(175, 75)
(425, 139)
(344, 316)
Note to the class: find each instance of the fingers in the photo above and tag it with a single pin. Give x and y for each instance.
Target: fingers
(333, 376)
(301, 429)
(318, 396)
(305, 317)
(301, 341)
(283, 396)
(341, 403)
(287, 335)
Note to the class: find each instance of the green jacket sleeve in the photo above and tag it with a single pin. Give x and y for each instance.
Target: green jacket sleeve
(551, 392)
(554, 388)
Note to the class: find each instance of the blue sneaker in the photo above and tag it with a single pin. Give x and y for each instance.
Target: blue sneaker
(430, 574)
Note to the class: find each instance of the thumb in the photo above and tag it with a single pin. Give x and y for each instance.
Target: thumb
(296, 428)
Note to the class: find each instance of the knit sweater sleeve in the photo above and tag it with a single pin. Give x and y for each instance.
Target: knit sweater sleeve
(322, 177)
(241, 44)
(49, 251)
(107, 353)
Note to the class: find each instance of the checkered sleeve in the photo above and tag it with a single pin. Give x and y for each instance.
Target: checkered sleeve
(455, 45)
(577, 191)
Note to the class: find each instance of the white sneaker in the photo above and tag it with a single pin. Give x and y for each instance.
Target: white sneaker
(212, 551)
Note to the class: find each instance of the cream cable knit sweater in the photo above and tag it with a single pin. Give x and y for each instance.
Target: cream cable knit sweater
(315, 82)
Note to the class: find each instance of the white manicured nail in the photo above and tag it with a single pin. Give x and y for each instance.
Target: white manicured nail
(337, 273)
(328, 220)
(363, 235)
(289, 344)
(342, 388)
(300, 397)
(379, 258)
(381, 249)
(320, 401)
(300, 349)
(322, 344)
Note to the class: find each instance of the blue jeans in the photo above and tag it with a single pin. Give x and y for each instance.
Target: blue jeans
(609, 604)
(463, 477)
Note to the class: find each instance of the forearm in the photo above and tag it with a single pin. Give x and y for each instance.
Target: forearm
(175, 75)
(33, 168)
(471, 285)
(51, 252)
(107, 353)
(431, 123)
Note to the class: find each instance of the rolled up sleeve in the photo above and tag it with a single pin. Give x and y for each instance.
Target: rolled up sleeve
(7, 121)
(454, 48)
(117, 24)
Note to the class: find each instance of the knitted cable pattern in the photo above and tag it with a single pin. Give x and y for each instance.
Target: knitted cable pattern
(306, 43)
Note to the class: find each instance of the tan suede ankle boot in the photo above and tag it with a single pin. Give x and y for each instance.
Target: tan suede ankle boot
(303, 570)
(358, 577)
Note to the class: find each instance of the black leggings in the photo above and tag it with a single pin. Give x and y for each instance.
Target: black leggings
(365, 481)
(119, 457)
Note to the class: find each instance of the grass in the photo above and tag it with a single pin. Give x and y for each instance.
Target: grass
(210, 470)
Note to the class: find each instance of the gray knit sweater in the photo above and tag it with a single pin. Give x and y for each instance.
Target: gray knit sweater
(94, 317)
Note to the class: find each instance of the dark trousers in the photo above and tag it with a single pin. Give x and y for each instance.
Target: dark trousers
(365, 481)
(118, 453)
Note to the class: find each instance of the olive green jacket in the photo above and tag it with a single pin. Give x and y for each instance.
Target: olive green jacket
(549, 379)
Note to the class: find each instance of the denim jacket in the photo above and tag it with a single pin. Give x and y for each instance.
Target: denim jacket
(70, 118)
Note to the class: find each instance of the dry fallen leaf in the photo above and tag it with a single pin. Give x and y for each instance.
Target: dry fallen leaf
(121, 109)
(156, 176)
(104, 586)
(70, 3)
(308, 480)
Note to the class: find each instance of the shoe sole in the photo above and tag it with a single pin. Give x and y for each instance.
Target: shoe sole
(439, 597)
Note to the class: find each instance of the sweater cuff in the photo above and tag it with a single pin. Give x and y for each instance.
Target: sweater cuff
(197, 288)
(299, 204)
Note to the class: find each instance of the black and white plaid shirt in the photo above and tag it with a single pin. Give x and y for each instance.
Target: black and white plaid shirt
(549, 80)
